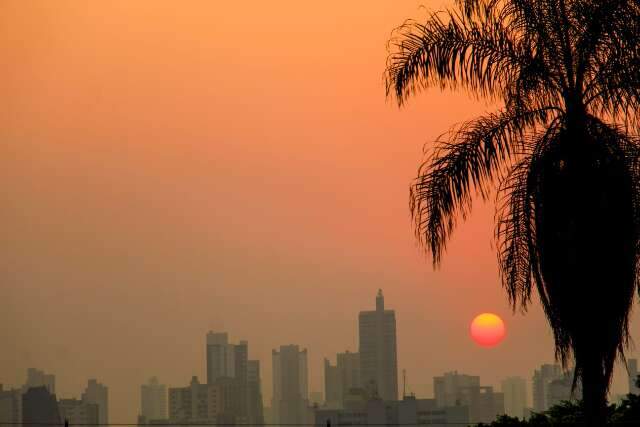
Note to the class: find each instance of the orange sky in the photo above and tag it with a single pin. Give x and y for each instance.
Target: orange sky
(173, 167)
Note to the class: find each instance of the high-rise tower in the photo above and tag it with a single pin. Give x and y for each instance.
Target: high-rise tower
(378, 352)
(290, 385)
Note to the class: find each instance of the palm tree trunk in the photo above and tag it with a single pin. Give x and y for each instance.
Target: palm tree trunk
(594, 398)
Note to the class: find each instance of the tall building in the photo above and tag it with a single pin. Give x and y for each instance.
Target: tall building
(79, 413)
(10, 406)
(38, 378)
(241, 353)
(220, 357)
(98, 394)
(153, 400)
(632, 368)
(290, 403)
(540, 385)
(255, 409)
(515, 396)
(39, 406)
(197, 403)
(378, 353)
(227, 366)
(332, 387)
(341, 378)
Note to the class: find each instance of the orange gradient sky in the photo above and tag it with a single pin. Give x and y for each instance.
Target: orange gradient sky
(173, 167)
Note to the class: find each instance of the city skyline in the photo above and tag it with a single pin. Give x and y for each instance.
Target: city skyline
(227, 364)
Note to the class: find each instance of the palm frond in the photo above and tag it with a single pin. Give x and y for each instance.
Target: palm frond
(452, 50)
(475, 155)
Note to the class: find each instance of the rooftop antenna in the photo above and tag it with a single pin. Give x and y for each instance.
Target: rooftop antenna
(404, 383)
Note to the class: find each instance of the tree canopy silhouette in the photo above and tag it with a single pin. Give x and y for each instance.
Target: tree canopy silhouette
(561, 157)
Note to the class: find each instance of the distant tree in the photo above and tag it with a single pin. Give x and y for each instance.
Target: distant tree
(562, 152)
(627, 412)
(504, 421)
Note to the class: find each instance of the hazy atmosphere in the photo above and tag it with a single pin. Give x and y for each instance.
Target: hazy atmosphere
(171, 168)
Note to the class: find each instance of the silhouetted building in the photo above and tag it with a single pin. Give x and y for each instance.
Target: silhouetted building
(540, 384)
(229, 361)
(356, 398)
(332, 387)
(484, 404)
(448, 389)
(10, 406)
(453, 389)
(233, 397)
(515, 396)
(241, 353)
(39, 406)
(197, 403)
(220, 357)
(412, 411)
(78, 412)
(632, 367)
(98, 394)
(37, 378)
(409, 411)
(153, 400)
(290, 387)
(378, 353)
(342, 377)
(254, 393)
(561, 389)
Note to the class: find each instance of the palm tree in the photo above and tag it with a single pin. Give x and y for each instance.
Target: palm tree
(561, 156)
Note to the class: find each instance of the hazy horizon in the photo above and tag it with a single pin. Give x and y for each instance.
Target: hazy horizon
(172, 168)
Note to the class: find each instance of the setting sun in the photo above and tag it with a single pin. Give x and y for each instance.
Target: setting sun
(487, 329)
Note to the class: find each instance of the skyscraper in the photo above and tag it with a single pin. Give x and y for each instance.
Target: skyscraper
(98, 394)
(341, 378)
(220, 357)
(290, 386)
(254, 393)
(227, 366)
(153, 400)
(632, 367)
(332, 387)
(540, 385)
(378, 353)
(240, 354)
(515, 396)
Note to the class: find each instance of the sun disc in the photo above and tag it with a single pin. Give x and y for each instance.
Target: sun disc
(487, 329)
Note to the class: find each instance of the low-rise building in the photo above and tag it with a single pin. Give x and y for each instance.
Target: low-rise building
(197, 403)
(39, 406)
(409, 411)
(79, 412)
